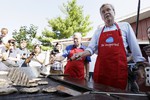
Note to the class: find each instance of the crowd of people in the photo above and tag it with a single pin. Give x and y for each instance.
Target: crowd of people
(108, 44)
(13, 56)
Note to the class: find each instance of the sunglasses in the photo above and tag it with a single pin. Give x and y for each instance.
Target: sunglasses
(12, 42)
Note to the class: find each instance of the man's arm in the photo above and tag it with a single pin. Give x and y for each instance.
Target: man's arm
(87, 70)
(59, 58)
(79, 55)
(133, 45)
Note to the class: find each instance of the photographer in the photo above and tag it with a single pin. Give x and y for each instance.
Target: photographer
(36, 59)
(56, 66)
(10, 54)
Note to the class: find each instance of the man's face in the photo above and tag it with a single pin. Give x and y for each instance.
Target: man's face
(107, 14)
(23, 44)
(4, 32)
(148, 33)
(58, 47)
(77, 40)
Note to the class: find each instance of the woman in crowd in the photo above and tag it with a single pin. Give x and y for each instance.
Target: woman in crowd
(36, 59)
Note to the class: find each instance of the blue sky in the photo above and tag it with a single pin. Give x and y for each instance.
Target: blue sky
(16, 13)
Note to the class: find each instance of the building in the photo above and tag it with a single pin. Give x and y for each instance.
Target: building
(144, 23)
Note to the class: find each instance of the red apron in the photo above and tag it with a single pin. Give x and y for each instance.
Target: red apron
(111, 64)
(75, 68)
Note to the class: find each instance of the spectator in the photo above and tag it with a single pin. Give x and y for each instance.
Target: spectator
(36, 60)
(4, 37)
(56, 66)
(24, 52)
(11, 54)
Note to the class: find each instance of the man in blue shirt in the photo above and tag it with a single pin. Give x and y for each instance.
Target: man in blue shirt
(79, 68)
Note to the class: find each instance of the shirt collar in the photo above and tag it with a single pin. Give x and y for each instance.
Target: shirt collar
(81, 46)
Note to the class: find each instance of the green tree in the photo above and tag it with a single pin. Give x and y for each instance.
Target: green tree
(74, 21)
(25, 33)
(46, 39)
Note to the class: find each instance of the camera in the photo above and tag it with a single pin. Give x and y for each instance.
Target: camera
(32, 53)
(11, 41)
(54, 51)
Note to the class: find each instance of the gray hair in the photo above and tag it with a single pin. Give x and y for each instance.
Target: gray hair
(107, 4)
(77, 34)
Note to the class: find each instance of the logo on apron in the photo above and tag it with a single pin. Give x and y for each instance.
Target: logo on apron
(110, 40)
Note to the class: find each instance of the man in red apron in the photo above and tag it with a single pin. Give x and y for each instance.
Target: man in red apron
(111, 64)
(78, 68)
(110, 43)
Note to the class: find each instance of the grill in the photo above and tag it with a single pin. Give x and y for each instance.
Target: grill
(87, 90)
(39, 95)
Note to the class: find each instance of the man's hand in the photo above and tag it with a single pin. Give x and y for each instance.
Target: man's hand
(141, 71)
(76, 56)
(52, 60)
(86, 77)
(141, 75)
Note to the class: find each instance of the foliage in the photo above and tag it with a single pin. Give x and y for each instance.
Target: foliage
(27, 34)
